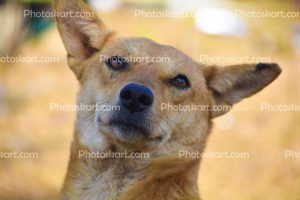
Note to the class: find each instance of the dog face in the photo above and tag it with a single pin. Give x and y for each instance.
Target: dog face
(140, 88)
(113, 73)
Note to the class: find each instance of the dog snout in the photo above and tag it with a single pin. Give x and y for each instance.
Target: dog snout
(136, 97)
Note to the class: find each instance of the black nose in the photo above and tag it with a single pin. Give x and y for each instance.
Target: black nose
(136, 98)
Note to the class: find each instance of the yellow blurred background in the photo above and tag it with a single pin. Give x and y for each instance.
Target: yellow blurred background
(28, 125)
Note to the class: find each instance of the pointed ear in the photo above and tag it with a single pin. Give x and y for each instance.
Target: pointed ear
(82, 32)
(231, 84)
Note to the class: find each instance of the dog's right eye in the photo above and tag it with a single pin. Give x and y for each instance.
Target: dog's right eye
(116, 62)
(180, 81)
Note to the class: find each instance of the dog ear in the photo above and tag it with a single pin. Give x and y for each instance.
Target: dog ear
(82, 32)
(231, 84)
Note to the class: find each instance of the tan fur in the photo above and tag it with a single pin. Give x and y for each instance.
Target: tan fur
(163, 176)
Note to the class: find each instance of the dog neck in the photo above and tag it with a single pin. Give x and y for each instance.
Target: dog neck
(102, 176)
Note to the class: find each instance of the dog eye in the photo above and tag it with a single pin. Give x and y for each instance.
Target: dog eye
(116, 62)
(180, 81)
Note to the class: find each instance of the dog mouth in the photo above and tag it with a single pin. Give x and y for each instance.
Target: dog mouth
(129, 128)
(133, 133)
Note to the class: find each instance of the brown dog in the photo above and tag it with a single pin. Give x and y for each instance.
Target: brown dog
(141, 125)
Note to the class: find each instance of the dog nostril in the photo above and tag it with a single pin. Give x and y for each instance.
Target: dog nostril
(145, 100)
(126, 95)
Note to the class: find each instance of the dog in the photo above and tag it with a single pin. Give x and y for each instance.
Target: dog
(141, 125)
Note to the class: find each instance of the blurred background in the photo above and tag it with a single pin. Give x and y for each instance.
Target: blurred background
(214, 31)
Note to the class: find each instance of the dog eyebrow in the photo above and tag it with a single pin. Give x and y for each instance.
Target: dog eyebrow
(173, 65)
(129, 48)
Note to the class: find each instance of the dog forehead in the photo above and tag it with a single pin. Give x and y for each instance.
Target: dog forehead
(142, 47)
(166, 60)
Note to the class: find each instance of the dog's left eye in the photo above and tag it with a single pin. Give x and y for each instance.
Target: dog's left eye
(180, 81)
(116, 62)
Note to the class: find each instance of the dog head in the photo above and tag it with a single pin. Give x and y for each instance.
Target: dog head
(137, 87)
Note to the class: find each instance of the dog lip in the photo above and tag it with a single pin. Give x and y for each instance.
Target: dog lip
(130, 125)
